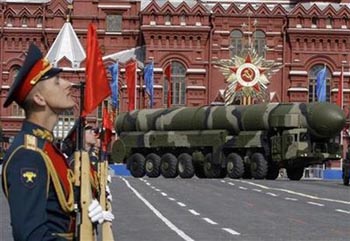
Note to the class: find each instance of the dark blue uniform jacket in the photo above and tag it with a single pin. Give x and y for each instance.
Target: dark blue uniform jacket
(38, 184)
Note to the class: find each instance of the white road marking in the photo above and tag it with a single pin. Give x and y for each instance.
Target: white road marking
(153, 187)
(194, 212)
(171, 199)
(179, 232)
(223, 181)
(157, 190)
(231, 183)
(296, 193)
(181, 204)
(271, 194)
(291, 199)
(342, 211)
(316, 204)
(256, 190)
(231, 231)
(164, 194)
(243, 188)
(208, 220)
(148, 184)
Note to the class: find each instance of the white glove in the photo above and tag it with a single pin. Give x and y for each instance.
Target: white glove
(108, 216)
(109, 194)
(96, 212)
(109, 179)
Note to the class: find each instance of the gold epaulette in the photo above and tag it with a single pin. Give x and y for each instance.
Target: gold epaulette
(30, 142)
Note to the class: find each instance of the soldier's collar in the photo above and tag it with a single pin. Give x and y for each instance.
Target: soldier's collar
(38, 131)
(43, 134)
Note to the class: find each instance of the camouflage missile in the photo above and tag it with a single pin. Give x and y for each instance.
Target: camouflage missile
(323, 120)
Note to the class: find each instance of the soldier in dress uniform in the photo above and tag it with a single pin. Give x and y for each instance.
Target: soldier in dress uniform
(36, 177)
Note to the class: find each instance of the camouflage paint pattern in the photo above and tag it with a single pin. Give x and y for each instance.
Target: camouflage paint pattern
(323, 120)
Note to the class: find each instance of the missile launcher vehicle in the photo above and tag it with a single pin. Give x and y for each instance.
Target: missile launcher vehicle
(252, 141)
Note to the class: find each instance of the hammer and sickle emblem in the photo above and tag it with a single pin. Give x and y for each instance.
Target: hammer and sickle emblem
(248, 73)
(29, 176)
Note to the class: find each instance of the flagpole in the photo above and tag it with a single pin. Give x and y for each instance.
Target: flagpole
(135, 74)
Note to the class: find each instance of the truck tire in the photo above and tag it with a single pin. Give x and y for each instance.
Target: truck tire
(258, 166)
(185, 166)
(199, 170)
(136, 165)
(295, 174)
(234, 166)
(272, 171)
(211, 170)
(168, 164)
(152, 165)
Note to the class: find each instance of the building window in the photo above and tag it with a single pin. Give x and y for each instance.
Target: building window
(16, 110)
(167, 18)
(24, 21)
(114, 23)
(178, 77)
(183, 18)
(39, 22)
(299, 22)
(236, 42)
(259, 42)
(313, 22)
(65, 123)
(9, 21)
(313, 79)
(329, 22)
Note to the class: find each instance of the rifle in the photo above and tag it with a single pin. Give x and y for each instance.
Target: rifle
(107, 234)
(82, 187)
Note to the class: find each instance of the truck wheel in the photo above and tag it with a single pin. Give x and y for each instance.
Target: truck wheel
(168, 165)
(273, 171)
(211, 170)
(152, 165)
(199, 170)
(136, 165)
(234, 166)
(296, 173)
(258, 166)
(185, 166)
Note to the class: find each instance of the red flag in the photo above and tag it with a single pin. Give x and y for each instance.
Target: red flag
(167, 72)
(96, 87)
(130, 72)
(340, 89)
(107, 127)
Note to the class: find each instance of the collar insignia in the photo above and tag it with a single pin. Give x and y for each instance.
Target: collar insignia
(44, 134)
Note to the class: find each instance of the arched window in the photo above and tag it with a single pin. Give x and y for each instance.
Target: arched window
(329, 22)
(236, 42)
(16, 110)
(259, 42)
(178, 84)
(24, 21)
(183, 18)
(39, 21)
(167, 18)
(313, 73)
(314, 22)
(9, 21)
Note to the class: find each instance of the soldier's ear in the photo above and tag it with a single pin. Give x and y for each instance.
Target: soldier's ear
(39, 99)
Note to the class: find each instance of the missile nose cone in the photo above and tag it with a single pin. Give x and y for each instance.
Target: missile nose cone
(326, 119)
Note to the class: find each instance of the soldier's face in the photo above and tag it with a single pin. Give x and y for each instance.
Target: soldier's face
(57, 93)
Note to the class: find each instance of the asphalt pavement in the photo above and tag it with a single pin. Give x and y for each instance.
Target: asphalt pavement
(223, 209)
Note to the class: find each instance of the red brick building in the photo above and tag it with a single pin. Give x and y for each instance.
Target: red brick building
(191, 35)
